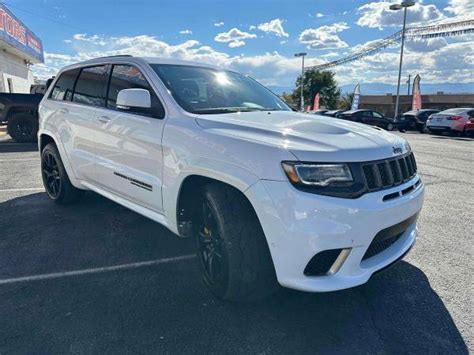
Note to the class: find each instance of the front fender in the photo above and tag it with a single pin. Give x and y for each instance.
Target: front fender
(226, 172)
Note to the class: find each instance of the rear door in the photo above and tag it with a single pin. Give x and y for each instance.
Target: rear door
(128, 142)
(76, 95)
(366, 117)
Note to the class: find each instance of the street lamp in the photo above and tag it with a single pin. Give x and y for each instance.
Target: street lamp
(302, 54)
(395, 7)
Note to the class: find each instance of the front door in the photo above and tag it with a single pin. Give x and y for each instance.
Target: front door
(128, 143)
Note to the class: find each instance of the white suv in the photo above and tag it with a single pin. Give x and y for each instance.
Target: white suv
(271, 196)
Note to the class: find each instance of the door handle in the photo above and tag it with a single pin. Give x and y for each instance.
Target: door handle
(63, 110)
(104, 119)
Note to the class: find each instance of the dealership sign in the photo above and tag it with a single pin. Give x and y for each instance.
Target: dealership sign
(16, 34)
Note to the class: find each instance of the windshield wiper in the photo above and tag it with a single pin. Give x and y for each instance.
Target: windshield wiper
(217, 110)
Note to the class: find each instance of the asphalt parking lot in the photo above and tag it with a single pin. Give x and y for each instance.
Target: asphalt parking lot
(98, 278)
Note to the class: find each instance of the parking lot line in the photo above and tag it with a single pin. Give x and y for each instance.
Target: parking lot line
(23, 189)
(57, 275)
(20, 159)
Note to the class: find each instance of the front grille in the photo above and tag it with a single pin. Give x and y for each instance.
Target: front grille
(387, 173)
(379, 244)
(321, 263)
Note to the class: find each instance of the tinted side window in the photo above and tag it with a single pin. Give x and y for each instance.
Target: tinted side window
(376, 114)
(90, 86)
(129, 77)
(64, 85)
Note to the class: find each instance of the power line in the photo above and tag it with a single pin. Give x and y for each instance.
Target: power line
(43, 17)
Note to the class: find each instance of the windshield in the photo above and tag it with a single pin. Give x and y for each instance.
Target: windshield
(208, 91)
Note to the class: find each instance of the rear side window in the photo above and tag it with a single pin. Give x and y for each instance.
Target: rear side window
(129, 77)
(90, 86)
(64, 85)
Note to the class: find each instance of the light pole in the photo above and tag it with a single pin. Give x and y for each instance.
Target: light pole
(404, 5)
(302, 54)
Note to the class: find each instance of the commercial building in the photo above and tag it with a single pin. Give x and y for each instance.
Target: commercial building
(19, 49)
(386, 103)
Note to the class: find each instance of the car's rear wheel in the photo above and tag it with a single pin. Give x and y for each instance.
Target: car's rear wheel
(55, 179)
(232, 250)
(23, 127)
(389, 127)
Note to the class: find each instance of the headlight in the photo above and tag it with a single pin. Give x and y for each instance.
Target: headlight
(316, 174)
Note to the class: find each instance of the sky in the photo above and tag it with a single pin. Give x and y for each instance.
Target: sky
(257, 37)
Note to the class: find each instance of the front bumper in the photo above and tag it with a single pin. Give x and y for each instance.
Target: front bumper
(298, 225)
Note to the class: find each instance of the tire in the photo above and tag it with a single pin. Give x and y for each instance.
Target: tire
(233, 254)
(389, 127)
(23, 127)
(55, 179)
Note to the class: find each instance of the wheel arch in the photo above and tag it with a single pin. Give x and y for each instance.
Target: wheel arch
(188, 198)
(44, 138)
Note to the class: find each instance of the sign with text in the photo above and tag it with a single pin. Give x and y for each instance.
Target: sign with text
(16, 34)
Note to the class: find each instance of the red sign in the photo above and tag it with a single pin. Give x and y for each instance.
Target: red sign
(12, 27)
(316, 102)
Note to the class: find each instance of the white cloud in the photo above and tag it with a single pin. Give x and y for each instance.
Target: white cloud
(95, 39)
(378, 15)
(186, 32)
(460, 7)
(324, 37)
(234, 37)
(418, 45)
(274, 26)
(452, 62)
(219, 24)
(236, 43)
(319, 15)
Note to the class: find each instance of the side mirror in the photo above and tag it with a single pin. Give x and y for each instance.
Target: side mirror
(133, 98)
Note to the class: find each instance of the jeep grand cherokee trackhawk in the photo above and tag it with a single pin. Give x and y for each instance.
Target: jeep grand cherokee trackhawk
(271, 196)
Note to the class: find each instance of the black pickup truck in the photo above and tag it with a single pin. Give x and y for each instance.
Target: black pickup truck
(20, 113)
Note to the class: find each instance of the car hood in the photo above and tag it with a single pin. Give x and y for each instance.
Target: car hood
(308, 137)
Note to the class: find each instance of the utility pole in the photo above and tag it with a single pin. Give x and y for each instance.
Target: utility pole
(408, 83)
(404, 5)
(302, 79)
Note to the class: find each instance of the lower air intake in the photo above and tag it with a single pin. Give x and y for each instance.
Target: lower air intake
(321, 263)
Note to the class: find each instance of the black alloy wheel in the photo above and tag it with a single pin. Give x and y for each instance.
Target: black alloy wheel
(210, 250)
(51, 174)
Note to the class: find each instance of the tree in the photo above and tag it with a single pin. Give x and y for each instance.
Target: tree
(345, 101)
(315, 81)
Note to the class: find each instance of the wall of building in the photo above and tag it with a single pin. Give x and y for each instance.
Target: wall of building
(386, 103)
(14, 68)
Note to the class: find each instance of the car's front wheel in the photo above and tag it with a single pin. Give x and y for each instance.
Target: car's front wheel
(55, 179)
(389, 127)
(233, 253)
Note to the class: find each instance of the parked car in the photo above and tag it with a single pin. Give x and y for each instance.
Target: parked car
(469, 127)
(320, 111)
(20, 113)
(414, 120)
(333, 113)
(369, 117)
(269, 195)
(455, 120)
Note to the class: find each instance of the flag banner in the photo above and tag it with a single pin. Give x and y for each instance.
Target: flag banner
(356, 98)
(316, 102)
(416, 100)
(458, 28)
